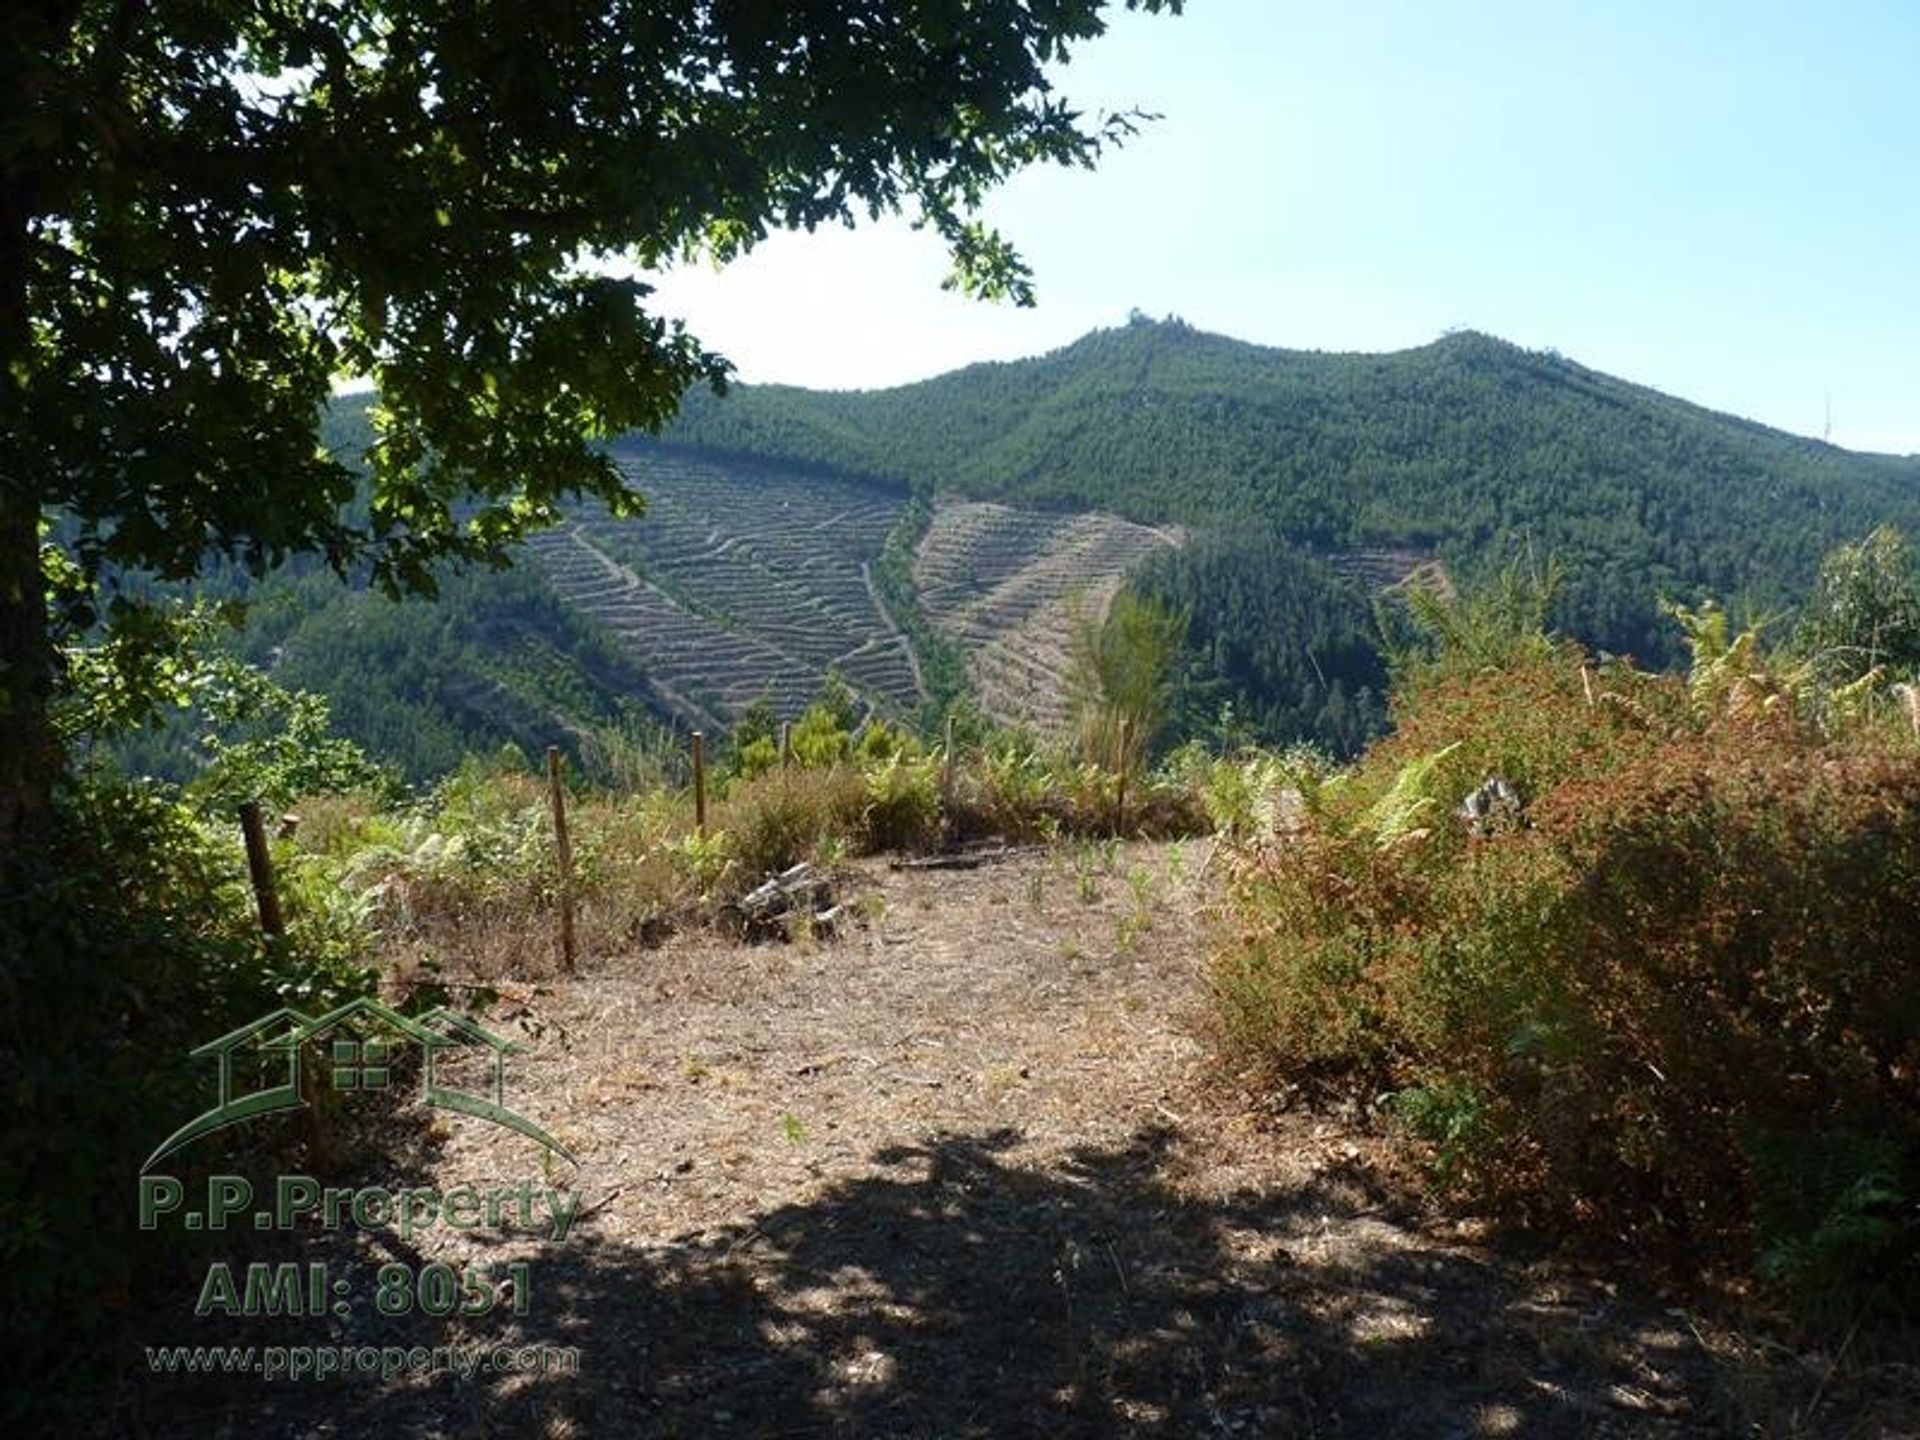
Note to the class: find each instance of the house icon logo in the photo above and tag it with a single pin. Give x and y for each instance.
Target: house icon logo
(358, 1045)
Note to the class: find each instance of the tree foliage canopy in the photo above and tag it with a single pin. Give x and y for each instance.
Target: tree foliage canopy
(212, 210)
(1865, 609)
(218, 207)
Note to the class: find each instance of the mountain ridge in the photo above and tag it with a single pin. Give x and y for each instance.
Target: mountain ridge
(1459, 339)
(1290, 474)
(1470, 446)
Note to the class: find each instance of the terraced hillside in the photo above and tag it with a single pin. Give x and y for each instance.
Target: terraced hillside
(1010, 585)
(1304, 484)
(744, 579)
(1380, 568)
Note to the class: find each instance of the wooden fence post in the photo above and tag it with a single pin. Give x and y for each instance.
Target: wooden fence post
(786, 743)
(557, 790)
(700, 781)
(947, 777)
(1120, 799)
(260, 871)
(260, 868)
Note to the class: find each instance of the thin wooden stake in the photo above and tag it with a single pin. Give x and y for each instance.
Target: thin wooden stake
(786, 743)
(946, 783)
(1120, 798)
(700, 781)
(557, 789)
(260, 868)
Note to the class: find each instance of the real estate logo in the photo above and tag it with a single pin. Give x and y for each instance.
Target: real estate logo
(289, 1061)
(359, 1045)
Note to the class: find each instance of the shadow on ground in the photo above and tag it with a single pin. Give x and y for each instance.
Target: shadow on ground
(955, 1293)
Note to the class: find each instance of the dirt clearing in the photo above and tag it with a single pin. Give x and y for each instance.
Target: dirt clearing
(961, 1171)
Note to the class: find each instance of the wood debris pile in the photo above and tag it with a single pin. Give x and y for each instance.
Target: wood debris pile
(798, 899)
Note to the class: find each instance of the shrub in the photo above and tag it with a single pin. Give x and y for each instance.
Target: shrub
(468, 872)
(1690, 958)
(1255, 794)
(756, 757)
(823, 735)
(126, 941)
(1006, 790)
(787, 815)
(271, 744)
(1015, 790)
(1835, 1219)
(903, 804)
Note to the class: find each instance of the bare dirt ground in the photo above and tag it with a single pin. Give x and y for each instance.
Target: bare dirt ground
(962, 1170)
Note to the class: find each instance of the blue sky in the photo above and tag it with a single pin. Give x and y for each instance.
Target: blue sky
(1720, 200)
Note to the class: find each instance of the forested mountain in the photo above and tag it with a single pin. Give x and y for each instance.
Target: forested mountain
(1301, 482)
(1469, 447)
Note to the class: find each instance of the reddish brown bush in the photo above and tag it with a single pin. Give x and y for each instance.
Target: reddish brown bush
(1653, 1002)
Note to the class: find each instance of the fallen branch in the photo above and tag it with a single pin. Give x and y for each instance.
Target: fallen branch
(966, 859)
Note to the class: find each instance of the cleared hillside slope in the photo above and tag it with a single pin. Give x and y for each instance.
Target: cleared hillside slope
(741, 581)
(1012, 586)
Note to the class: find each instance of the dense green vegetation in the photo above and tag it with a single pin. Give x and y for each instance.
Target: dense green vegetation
(1281, 646)
(942, 667)
(1620, 950)
(1469, 447)
(496, 659)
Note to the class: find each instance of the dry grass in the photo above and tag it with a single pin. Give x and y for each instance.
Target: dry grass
(963, 1171)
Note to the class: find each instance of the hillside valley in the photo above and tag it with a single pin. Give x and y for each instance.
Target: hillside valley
(944, 539)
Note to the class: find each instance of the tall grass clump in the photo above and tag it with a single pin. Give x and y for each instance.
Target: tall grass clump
(787, 815)
(1660, 975)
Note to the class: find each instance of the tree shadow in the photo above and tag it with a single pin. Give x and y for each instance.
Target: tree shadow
(954, 1292)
